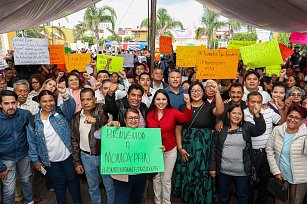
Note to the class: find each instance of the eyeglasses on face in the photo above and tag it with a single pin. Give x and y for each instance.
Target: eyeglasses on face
(196, 91)
(296, 94)
(294, 118)
(133, 118)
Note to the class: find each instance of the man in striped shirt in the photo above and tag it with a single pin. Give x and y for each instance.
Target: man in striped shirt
(259, 143)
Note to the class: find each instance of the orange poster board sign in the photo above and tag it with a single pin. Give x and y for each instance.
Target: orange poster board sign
(217, 64)
(77, 61)
(57, 54)
(165, 44)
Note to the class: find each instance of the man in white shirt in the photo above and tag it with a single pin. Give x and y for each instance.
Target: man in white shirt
(149, 92)
(259, 143)
(22, 89)
(251, 84)
(86, 148)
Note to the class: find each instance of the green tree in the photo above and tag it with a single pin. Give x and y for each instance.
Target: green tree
(79, 31)
(233, 26)
(127, 38)
(89, 39)
(94, 16)
(284, 38)
(164, 24)
(114, 38)
(211, 24)
(245, 36)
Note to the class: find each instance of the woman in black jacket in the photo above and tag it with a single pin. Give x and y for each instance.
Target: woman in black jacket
(231, 153)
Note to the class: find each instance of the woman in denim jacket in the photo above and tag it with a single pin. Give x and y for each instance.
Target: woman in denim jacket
(50, 144)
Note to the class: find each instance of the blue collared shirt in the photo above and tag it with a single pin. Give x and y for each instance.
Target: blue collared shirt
(176, 99)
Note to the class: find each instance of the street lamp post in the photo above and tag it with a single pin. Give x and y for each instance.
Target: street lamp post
(153, 33)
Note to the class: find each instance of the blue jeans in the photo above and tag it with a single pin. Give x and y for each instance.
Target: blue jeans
(63, 176)
(91, 165)
(242, 187)
(23, 166)
(133, 189)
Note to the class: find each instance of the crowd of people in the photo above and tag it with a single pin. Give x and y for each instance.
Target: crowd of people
(214, 132)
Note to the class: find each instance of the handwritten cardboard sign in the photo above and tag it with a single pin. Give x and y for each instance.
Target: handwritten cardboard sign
(57, 54)
(300, 38)
(131, 150)
(116, 64)
(77, 61)
(217, 64)
(235, 44)
(261, 54)
(128, 60)
(165, 44)
(274, 69)
(285, 51)
(186, 56)
(31, 51)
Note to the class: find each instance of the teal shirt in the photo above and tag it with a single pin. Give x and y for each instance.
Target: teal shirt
(285, 160)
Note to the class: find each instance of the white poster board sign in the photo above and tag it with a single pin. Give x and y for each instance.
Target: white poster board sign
(128, 60)
(31, 51)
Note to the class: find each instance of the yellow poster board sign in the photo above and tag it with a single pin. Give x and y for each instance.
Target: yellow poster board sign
(261, 54)
(274, 69)
(186, 56)
(235, 44)
(116, 64)
(77, 61)
(217, 64)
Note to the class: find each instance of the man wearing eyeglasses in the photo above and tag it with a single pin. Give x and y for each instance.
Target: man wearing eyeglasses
(259, 143)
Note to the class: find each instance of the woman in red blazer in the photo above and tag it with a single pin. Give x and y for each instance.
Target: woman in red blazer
(162, 115)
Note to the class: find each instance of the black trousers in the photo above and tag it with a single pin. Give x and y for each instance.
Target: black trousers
(263, 172)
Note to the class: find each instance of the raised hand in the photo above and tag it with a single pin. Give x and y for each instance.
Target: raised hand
(90, 120)
(186, 98)
(256, 110)
(113, 88)
(61, 74)
(97, 85)
(87, 76)
(61, 88)
(122, 75)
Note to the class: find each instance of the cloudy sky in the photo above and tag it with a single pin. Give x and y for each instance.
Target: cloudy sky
(130, 13)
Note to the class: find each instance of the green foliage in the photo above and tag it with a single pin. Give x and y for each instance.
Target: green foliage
(114, 38)
(101, 41)
(127, 38)
(214, 43)
(252, 36)
(284, 38)
(89, 39)
(164, 23)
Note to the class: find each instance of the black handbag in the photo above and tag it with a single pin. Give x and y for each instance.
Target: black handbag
(278, 189)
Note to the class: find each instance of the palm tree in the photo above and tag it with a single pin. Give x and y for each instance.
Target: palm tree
(233, 26)
(211, 24)
(94, 16)
(165, 23)
(79, 31)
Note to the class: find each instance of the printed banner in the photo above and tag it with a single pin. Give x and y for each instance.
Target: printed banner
(235, 44)
(77, 61)
(300, 38)
(186, 56)
(116, 64)
(31, 51)
(285, 51)
(165, 45)
(217, 64)
(261, 54)
(128, 60)
(131, 150)
(57, 54)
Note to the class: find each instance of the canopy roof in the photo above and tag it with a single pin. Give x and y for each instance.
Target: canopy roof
(275, 15)
(22, 14)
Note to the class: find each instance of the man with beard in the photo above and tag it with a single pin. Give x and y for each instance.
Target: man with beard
(174, 91)
(235, 94)
(21, 88)
(14, 148)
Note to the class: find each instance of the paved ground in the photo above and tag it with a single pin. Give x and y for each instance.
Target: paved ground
(49, 197)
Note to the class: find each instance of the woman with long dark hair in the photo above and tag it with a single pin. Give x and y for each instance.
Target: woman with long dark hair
(231, 153)
(50, 143)
(193, 182)
(162, 115)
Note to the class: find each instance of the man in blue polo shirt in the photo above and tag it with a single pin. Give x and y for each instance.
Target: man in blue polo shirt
(174, 90)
